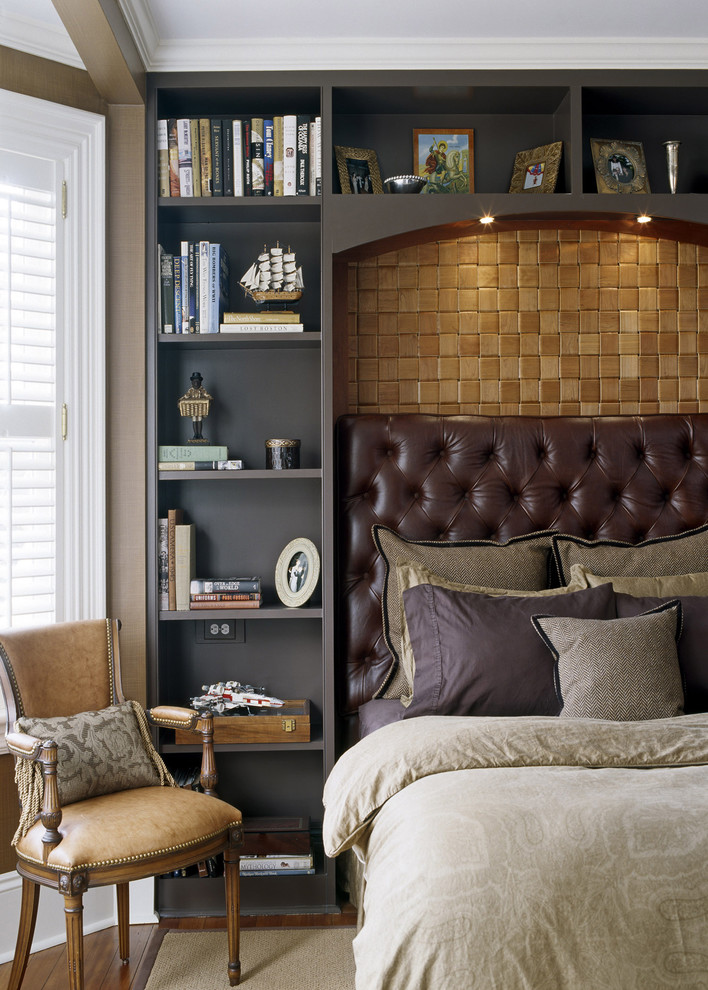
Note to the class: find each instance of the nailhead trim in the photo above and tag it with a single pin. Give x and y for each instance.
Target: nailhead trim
(129, 859)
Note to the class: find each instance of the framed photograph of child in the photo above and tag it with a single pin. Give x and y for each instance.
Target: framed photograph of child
(446, 159)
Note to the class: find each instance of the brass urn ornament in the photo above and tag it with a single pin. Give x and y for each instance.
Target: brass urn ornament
(196, 402)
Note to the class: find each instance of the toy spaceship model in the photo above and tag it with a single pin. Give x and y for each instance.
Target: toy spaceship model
(227, 696)
(275, 276)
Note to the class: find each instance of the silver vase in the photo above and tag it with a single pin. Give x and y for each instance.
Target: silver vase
(672, 148)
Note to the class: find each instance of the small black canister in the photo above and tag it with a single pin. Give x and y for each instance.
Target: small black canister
(282, 454)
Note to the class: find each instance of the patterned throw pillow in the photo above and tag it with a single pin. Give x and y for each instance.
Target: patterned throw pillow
(520, 564)
(620, 669)
(682, 554)
(98, 752)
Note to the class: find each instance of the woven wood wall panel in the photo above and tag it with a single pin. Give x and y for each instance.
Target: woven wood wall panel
(548, 322)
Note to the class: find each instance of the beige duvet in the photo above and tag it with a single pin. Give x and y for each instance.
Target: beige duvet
(534, 853)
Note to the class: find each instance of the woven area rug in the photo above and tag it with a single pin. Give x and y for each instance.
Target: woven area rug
(283, 959)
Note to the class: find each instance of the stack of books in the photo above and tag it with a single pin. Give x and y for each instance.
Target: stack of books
(193, 287)
(278, 155)
(176, 555)
(234, 592)
(263, 322)
(276, 847)
(196, 457)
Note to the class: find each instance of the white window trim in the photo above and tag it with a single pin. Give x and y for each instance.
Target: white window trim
(78, 138)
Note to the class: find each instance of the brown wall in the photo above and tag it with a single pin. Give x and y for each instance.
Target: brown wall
(125, 376)
(550, 322)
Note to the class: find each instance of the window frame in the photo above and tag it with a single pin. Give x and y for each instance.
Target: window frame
(75, 139)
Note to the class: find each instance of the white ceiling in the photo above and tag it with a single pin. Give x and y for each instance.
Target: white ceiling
(291, 34)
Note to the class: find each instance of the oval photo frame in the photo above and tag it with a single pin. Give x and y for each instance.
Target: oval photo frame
(297, 572)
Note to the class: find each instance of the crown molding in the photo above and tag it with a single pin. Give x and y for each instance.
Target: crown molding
(416, 53)
(25, 34)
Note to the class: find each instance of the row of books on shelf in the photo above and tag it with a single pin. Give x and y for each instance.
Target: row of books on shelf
(178, 587)
(251, 156)
(193, 287)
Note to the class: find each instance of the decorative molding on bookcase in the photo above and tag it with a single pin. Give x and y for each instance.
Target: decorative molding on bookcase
(251, 54)
(35, 37)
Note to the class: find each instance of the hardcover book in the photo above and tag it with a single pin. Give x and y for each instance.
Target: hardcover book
(289, 155)
(173, 155)
(211, 585)
(257, 161)
(196, 157)
(177, 286)
(185, 549)
(163, 579)
(167, 291)
(218, 286)
(268, 157)
(281, 316)
(237, 144)
(184, 147)
(205, 155)
(303, 155)
(217, 174)
(163, 159)
(277, 156)
(192, 452)
(175, 517)
(227, 155)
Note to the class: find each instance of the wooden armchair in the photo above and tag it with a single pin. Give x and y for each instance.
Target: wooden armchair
(139, 824)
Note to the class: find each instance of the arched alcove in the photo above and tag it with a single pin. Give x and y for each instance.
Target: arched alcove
(588, 316)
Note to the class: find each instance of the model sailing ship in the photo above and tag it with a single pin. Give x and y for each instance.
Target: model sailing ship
(274, 277)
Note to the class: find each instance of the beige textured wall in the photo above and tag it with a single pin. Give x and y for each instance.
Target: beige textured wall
(550, 322)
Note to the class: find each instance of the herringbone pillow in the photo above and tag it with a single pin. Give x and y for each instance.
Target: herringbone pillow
(620, 669)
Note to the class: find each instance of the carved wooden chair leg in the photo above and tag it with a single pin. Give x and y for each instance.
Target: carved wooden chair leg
(28, 917)
(231, 877)
(123, 902)
(73, 913)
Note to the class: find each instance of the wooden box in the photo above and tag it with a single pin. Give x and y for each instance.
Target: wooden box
(291, 723)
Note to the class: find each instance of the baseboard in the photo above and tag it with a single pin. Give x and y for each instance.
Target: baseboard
(99, 912)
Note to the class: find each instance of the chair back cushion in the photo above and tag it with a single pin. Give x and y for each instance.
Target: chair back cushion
(60, 669)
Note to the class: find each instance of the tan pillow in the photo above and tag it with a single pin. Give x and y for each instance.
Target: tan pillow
(98, 752)
(685, 553)
(409, 574)
(659, 587)
(621, 669)
(521, 562)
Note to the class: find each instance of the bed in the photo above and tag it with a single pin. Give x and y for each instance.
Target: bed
(523, 693)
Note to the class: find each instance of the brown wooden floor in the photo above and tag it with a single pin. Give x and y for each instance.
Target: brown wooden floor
(103, 969)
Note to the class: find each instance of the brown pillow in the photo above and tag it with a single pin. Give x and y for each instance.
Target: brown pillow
(623, 669)
(682, 554)
(479, 655)
(692, 653)
(409, 575)
(98, 752)
(521, 564)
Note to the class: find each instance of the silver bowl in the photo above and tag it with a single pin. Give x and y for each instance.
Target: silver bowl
(405, 183)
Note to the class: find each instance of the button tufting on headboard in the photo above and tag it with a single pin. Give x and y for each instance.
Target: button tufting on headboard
(469, 477)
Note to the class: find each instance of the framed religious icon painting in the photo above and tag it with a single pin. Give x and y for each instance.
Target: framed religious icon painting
(536, 170)
(445, 159)
(620, 166)
(358, 170)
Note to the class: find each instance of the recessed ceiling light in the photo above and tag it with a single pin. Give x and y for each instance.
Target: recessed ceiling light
(486, 219)
(643, 218)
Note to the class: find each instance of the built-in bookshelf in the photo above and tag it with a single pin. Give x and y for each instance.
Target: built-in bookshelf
(295, 384)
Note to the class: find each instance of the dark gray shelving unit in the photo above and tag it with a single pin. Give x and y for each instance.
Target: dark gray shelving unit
(296, 385)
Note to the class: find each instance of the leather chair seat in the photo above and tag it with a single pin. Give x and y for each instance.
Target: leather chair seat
(129, 826)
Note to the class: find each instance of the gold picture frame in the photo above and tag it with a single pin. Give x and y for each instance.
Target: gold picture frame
(445, 158)
(620, 166)
(358, 170)
(536, 170)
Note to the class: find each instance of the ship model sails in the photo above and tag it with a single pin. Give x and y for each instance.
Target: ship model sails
(274, 277)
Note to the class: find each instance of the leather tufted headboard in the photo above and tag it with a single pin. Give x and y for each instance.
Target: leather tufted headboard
(470, 477)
